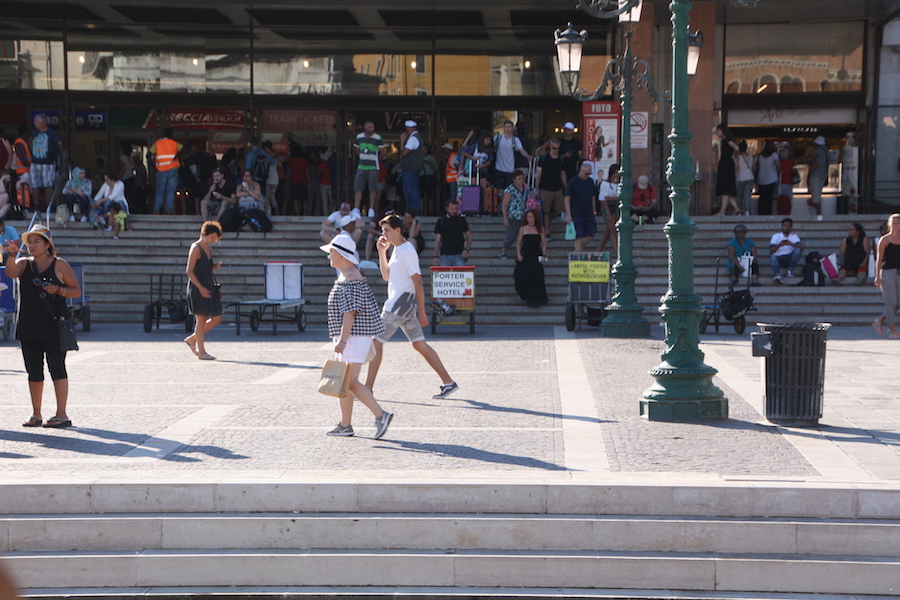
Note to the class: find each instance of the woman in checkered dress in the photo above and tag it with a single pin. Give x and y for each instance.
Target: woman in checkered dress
(353, 319)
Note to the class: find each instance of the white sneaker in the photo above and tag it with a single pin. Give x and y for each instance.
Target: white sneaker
(71, 218)
(84, 219)
(371, 214)
(778, 279)
(108, 229)
(790, 273)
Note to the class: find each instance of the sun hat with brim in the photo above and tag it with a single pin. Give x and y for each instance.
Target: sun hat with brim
(42, 231)
(820, 141)
(344, 245)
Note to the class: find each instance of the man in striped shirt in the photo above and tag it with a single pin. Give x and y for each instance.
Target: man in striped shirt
(370, 147)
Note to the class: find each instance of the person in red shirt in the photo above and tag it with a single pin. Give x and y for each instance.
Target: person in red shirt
(645, 202)
(298, 167)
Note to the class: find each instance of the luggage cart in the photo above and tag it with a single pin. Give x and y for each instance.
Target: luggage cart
(79, 310)
(7, 305)
(589, 288)
(167, 291)
(284, 300)
(453, 297)
(728, 307)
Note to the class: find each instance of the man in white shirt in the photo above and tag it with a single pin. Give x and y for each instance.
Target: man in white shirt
(505, 146)
(785, 248)
(331, 226)
(405, 305)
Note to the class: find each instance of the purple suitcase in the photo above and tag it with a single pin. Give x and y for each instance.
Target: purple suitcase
(470, 197)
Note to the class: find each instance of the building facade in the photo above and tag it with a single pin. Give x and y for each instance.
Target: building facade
(108, 73)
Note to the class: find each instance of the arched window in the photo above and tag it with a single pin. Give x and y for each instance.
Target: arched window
(791, 84)
(767, 84)
(734, 87)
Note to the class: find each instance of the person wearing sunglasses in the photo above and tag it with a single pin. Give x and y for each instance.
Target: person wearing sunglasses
(46, 282)
(551, 181)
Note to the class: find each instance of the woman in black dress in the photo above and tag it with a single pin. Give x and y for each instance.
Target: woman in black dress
(726, 181)
(531, 253)
(202, 291)
(46, 282)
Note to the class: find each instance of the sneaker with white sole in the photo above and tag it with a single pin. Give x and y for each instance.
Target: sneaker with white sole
(790, 273)
(446, 390)
(341, 430)
(381, 424)
(778, 279)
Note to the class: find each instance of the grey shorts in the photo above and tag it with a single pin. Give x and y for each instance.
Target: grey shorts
(42, 175)
(367, 178)
(409, 325)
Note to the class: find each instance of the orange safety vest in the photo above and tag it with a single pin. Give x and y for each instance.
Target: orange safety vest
(451, 171)
(167, 154)
(16, 164)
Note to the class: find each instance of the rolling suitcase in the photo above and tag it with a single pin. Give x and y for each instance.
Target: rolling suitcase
(491, 203)
(23, 197)
(470, 197)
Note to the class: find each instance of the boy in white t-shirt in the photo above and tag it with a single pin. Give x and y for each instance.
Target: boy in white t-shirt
(405, 305)
(785, 248)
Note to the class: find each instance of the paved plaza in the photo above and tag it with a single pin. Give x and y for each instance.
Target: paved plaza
(535, 403)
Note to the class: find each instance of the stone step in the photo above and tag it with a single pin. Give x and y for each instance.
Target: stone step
(445, 568)
(739, 499)
(461, 531)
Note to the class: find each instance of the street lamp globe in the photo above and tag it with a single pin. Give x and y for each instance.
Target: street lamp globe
(569, 45)
(695, 42)
(632, 16)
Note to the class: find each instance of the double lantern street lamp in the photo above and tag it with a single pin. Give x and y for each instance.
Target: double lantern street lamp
(683, 388)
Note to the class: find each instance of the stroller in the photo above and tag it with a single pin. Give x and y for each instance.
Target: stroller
(728, 307)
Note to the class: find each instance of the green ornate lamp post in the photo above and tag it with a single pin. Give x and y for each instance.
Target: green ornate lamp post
(683, 390)
(624, 317)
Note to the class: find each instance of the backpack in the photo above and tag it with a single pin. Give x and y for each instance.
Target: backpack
(812, 270)
(261, 167)
(257, 220)
(231, 220)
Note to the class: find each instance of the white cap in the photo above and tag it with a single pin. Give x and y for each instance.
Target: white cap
(344, 245)
(820, 141)
(411, 123)
(643, 182)
(346, 220)
(569, 125)
(447, 146)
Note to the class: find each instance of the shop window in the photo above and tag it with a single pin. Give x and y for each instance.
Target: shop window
(420, 64)
(828, 53)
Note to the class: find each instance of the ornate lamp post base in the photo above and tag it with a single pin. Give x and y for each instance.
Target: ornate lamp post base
(684, 395)
(624, 318)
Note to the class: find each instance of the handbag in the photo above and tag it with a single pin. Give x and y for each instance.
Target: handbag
(334, 381)
(67, 339)
(570, 231)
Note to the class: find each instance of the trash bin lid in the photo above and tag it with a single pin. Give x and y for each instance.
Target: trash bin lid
(801, 326)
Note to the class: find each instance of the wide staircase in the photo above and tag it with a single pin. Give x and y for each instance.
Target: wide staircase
(117, 272)
(432, 539)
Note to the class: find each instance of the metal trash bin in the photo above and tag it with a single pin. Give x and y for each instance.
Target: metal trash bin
(793, 370)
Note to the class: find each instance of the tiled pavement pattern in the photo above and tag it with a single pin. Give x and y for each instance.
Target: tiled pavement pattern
(141, 403)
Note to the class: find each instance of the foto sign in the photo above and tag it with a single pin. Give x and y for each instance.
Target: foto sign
(452, 284)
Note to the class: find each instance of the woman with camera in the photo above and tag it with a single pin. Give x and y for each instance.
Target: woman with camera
(46, 282)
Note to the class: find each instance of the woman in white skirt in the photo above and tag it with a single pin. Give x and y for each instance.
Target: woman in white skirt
(353, 319)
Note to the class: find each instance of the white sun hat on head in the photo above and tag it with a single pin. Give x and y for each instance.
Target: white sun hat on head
(344, 245)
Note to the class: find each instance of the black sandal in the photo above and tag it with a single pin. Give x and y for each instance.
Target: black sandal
(32, 422)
